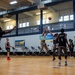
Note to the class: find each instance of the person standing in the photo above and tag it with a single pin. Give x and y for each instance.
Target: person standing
(43, 40)
(55, 45)
(43, 44)
(7, 46)
(71, 47)
(5, 32)
(62, 39)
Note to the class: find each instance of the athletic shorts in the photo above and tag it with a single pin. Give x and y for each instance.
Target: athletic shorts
(8, 50)
(71, 49)
(43, 44)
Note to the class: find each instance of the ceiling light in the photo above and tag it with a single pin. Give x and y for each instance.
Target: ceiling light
(13, 2)
(7, 20)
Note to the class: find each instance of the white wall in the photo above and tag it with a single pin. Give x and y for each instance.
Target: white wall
(31, 40)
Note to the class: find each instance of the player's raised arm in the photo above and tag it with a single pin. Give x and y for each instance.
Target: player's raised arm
(6, 32)
(51, 33)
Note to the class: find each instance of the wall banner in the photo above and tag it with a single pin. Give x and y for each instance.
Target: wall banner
(19, 43)
(48, 37)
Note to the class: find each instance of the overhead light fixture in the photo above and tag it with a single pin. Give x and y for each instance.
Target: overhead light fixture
(39, 13)
(13, 2)
(7, 20)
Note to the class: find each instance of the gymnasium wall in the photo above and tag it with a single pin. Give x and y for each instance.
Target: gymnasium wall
(31, 40)
(33, 20)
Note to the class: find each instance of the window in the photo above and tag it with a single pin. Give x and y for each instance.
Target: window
(43, 21)
(47, 20)
(61, 19)
(27, 24)
(71, 17)
(9, 27)
(24, 24)
(66, 18)
(20, 25)
(38, 22)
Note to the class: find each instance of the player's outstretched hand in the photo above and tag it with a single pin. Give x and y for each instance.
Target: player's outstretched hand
(14, 27)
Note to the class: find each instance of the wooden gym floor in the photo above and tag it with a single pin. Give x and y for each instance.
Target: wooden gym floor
(35, 65)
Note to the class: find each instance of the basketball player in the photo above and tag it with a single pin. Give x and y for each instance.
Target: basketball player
(43, 44)
(55, 45)
(7, 46)
(62, 38)
(5, 32)
(71, 47)
(46, 31)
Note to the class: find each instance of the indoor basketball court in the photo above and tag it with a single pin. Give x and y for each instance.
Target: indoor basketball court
(37, 37)
(36, 65)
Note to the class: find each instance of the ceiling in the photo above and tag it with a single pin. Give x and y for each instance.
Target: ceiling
(63, 6)
(5, 4)
(51, 9)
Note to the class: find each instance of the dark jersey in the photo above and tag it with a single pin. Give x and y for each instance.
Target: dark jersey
(7, 45)
(54, 40)
(62, 39)
(71, 45)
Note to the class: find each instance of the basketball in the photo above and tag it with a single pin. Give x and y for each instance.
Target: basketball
(50, 18)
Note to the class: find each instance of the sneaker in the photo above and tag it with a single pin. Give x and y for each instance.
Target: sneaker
(8, 58)
(65, 63)
(59, 64)
(53, 59)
